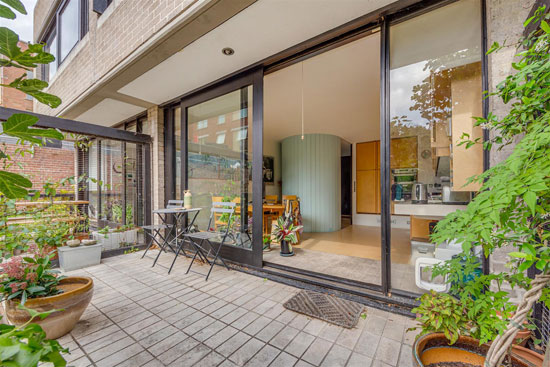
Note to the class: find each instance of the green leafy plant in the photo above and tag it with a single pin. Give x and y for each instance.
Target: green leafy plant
(510, 212)
(27, 346)
(285, 230)
(29, 277)
(442, 313)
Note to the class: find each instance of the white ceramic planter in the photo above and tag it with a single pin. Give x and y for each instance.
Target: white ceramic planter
(105, 240)
(72, 258)
(113, 240)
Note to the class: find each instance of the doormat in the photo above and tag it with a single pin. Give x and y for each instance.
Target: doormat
(329, 308)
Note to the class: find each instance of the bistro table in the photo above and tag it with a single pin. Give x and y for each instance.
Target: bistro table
(178, 229)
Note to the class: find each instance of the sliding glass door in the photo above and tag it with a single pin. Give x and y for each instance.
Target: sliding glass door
(214, 134)
(435, 93)
(219, 160)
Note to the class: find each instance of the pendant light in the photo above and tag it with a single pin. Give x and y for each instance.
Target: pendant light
(302, 100)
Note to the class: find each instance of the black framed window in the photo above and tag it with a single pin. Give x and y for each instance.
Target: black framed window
(69, 25)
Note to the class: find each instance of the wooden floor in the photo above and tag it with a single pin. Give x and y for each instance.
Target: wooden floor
(354, 252)
(359, 241)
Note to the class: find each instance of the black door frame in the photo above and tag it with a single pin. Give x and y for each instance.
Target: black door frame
(351, 31)
(254, 78)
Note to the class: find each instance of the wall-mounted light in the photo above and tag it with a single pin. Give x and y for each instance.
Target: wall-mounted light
(228, 51)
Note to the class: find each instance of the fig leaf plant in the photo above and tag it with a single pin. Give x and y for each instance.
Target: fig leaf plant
(25, 345)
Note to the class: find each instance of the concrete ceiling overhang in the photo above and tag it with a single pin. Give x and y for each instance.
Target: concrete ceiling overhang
(191, 57)
(204, 16)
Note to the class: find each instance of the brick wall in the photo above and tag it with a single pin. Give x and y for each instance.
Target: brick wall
(10, 97)
(44, 165)
(111, 37)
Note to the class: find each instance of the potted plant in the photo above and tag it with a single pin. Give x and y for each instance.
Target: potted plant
(285, 232)
(30, 281)
(509, 215)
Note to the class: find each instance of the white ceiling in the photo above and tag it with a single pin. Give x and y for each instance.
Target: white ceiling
(109, 112)
(341, 94)
(261, 30)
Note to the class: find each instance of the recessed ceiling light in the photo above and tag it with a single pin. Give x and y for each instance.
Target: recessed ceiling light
(228, 51)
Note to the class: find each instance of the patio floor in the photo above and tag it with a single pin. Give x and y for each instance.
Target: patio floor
(141, 316)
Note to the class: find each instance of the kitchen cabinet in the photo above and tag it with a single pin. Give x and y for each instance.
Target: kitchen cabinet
(368, 156)
(367, 175)
(368, 191)
(466, 99)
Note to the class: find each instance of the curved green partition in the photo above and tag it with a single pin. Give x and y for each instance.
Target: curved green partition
(311, 170)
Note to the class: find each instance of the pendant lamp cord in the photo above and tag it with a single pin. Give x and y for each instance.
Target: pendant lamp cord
(302, 100)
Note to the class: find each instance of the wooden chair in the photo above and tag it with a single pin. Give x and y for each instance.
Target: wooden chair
(269, 199)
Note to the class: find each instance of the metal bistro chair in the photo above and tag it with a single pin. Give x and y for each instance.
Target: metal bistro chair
(154, 230)
(200, 239)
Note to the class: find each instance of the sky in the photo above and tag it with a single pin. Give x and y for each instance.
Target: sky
(22, 25)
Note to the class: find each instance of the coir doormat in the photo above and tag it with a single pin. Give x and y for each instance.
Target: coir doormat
(325, 307)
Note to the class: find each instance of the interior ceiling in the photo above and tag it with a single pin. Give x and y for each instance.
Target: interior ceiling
(261, 30)
(341, 94)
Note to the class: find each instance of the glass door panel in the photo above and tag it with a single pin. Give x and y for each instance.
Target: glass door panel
(219, 161)
(435, 91)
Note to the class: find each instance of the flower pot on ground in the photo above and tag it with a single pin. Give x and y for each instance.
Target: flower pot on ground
(286, 249)
(31, 282)
(73, 258)
(434, 350)
(285, 232)
(72, 302)
(528, 356)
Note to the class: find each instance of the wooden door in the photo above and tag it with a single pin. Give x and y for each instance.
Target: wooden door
(368, 191)
(368, 156)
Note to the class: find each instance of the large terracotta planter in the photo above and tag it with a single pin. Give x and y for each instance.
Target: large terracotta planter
(531, 358)
(434, 350)
(77, 294)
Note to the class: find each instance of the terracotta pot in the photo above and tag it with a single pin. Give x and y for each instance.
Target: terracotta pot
(522, 337)
(528, 356)
(431, 349)
(77, 294)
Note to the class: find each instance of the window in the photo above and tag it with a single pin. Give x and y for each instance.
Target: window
(221, 119)
(69, 22)
(241, 114)
(51, 47)
(202, 124)
(202, 139)
(220, 138)
(99, 6)
(69, 25)
(240, 134)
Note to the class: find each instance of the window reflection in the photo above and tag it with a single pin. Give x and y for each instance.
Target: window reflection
(435, 93)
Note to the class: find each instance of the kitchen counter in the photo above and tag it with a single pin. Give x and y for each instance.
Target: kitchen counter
(426, 211)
